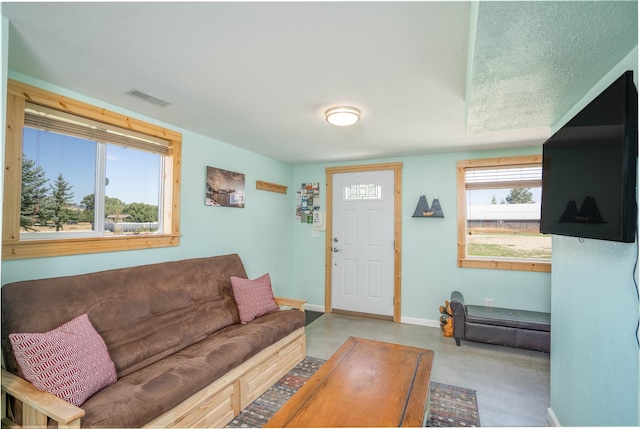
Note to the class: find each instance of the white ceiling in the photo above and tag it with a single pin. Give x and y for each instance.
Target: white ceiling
(259, 75)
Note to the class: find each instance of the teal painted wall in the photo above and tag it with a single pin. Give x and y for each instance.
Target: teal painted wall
(4, 41)
(263, 232)
(429, 246)
(594, 349)
(260, 233)
(594, 364)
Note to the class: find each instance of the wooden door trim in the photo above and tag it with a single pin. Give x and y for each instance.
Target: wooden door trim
(397, 231)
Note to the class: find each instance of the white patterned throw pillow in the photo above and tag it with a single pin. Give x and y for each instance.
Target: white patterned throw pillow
(71, 361)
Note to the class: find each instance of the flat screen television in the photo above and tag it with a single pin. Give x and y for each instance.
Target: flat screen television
(589, 169)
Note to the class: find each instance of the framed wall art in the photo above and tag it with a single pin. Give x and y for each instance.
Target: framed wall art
(224, 188)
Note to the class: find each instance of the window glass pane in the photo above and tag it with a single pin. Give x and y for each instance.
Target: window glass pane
(363, 191)
(505, 223)
(58, 172)
(132, 193)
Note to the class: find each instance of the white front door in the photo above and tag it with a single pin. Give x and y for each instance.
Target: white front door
(362, 275)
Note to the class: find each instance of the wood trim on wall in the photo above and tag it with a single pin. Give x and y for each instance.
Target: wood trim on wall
(397, 233)
(271, 187)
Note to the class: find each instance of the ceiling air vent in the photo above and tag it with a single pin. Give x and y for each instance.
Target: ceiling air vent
(148, 98)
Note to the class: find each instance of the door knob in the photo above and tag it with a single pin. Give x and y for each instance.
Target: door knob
(335, 249)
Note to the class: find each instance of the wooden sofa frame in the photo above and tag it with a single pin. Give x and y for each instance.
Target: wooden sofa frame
(213, 406)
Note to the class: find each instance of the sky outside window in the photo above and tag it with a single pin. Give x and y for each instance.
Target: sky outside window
(133, 174)
(72, 157)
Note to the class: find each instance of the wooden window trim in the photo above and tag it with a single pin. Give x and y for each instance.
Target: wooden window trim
(12, 247)
(496, 264)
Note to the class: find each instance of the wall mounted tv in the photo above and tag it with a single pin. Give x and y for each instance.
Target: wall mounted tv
(589, 169)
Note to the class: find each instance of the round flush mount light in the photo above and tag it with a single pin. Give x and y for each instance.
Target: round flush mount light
(342, 116)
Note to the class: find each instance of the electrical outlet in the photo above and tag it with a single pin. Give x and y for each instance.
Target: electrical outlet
(488, 302)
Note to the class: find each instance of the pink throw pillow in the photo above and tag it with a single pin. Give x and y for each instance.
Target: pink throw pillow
(254, 297)
(71, 361)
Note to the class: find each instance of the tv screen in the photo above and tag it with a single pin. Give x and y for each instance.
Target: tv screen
(589, 169)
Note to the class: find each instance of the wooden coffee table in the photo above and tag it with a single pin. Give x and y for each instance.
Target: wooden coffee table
(364, 384)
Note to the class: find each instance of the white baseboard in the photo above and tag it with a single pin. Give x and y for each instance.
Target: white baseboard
(314, 307)
(407, 320)
(421, 322)
(552, 419)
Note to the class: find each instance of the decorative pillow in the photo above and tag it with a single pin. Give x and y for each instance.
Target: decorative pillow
(254, 297)
(71, 361)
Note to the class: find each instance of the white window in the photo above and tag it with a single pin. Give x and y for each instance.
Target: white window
(81, 178)
(499, 214)
(88, 180)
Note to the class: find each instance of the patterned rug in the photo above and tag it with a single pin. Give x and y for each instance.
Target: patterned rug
(451, 406)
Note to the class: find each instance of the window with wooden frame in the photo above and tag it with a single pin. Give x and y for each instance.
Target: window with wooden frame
(81, 179)
(499, 214)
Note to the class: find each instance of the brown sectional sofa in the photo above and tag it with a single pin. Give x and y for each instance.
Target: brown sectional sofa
(172, 329)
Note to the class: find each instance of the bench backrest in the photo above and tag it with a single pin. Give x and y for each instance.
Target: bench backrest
(143, 313)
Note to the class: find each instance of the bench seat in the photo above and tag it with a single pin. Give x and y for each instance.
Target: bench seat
(502, 326)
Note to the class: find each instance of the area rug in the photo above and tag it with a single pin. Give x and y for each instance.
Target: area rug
(312, 315)
(451, 406)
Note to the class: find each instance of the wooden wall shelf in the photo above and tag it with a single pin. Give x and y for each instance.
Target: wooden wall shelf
(271, 187)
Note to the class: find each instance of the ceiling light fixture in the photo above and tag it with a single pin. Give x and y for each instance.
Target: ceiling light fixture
(342, 116)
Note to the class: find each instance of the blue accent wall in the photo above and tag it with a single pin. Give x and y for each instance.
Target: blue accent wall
(594, 315)
(268, 238)
(429, 246)
(591, 292)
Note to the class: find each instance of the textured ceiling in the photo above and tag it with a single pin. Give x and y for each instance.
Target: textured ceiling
(534, 60)
(427, 76)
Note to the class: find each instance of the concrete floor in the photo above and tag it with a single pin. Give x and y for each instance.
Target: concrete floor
(512, 385)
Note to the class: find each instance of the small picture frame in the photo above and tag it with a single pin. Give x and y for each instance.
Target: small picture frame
(224, 188)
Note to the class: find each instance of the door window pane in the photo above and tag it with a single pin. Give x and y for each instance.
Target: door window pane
(363, 191)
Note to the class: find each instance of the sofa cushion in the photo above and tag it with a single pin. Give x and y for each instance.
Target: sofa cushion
(508, 317)
(254, 297)
(71, 361)
(143, 313)
(147, 393)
